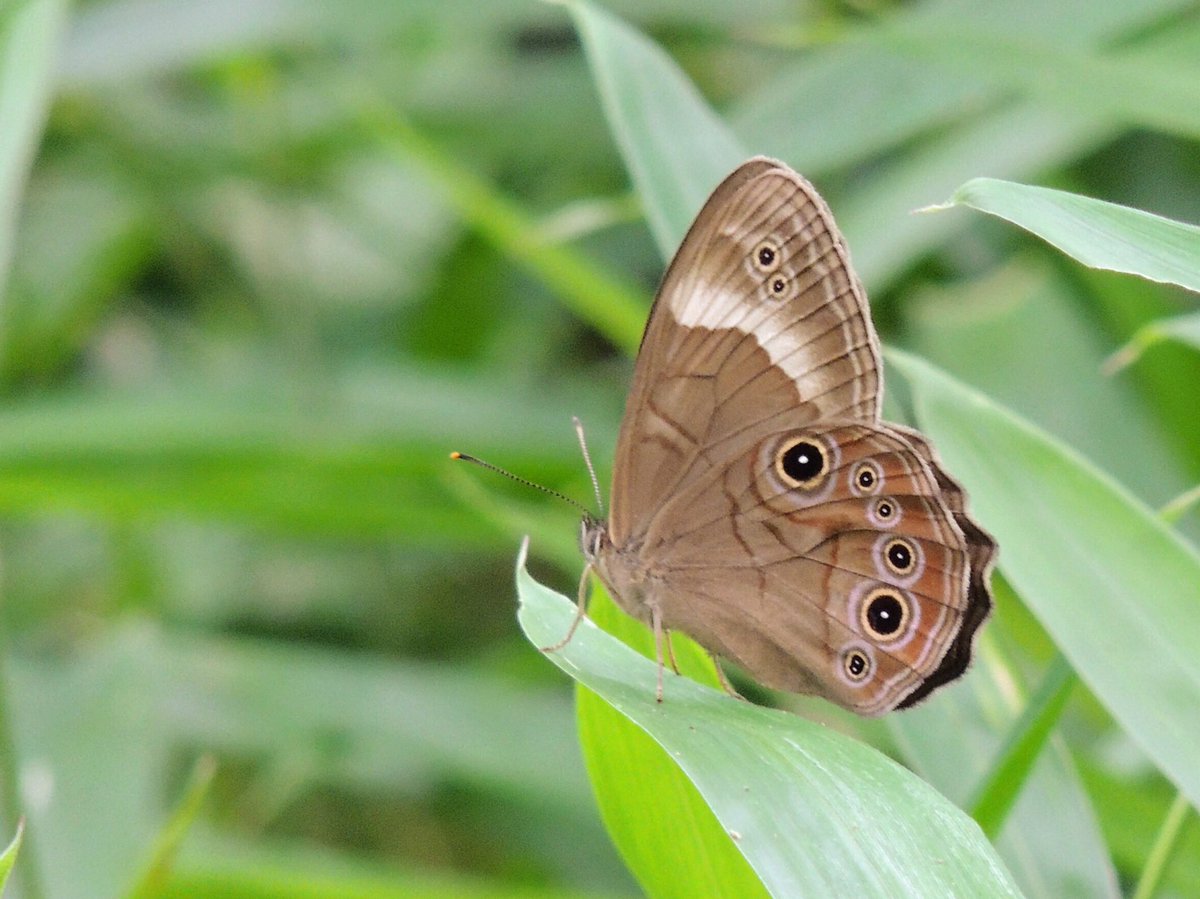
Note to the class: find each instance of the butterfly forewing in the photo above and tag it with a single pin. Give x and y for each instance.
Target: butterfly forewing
(725, 352)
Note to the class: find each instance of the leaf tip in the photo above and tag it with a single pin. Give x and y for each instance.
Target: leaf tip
(934, 207)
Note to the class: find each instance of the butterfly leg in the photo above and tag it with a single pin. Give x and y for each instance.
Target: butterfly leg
(580, 611)
(671, 650)
(725, 684)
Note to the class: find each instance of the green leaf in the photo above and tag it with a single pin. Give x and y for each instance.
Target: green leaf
(1117, 589)
(676, 148)
(8, 857)
(814, 812)
(29, 34)
(1098, 234)
(674, 845)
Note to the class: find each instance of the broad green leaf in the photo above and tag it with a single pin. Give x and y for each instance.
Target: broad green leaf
(673, 845)
(1098, 234)
(675, 146)
(814, 812)
(1025, 336)
(953, 742)
(29, 31)
(8, 857)
(1117, 589)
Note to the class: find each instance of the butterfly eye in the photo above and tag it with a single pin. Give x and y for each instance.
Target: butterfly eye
(884, 614)
(900, 556)
(801, 463)
(866, 479)
(883, 512)
(766, 257)
(856, 665)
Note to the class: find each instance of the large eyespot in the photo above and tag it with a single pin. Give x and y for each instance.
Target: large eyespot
(802, 463)
(866, 478)
(884, 614)
(766, 257)
(884, 512)
(855, 664)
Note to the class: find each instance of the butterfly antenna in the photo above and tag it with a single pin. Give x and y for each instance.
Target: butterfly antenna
(587, 460)
(464, 457)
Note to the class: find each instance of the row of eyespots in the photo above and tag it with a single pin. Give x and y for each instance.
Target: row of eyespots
(884, 613)
(803, 464)
(766, 259)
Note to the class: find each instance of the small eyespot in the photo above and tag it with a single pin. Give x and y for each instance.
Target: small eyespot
(766, 257)
(900, 556)
(801, 463)
(884, 614)
(856, 665)
(866, 479)
(778, 285)
(884, 512)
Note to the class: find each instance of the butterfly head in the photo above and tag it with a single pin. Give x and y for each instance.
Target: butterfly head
(593, 536)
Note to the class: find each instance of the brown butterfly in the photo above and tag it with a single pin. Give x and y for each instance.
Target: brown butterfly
(759, 504)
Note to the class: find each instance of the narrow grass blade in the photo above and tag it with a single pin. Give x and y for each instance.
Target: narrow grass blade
(996, 796)
(166, 847)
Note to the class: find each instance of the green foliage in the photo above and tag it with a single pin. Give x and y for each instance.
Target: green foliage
(263, 264)
(815, 813)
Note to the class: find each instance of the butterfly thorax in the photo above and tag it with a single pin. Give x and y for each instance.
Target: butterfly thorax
(626, 577)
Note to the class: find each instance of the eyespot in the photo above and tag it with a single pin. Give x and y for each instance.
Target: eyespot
(884, 512)
(778, 288)
(765, 257)
(884, 614)
(802, 463)
(865, 479)
(900, 556)
(898, 560)
(855, 664)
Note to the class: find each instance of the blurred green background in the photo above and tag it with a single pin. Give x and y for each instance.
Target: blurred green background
(265, 263)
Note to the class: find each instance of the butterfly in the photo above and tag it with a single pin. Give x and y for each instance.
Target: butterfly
(759, 504)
